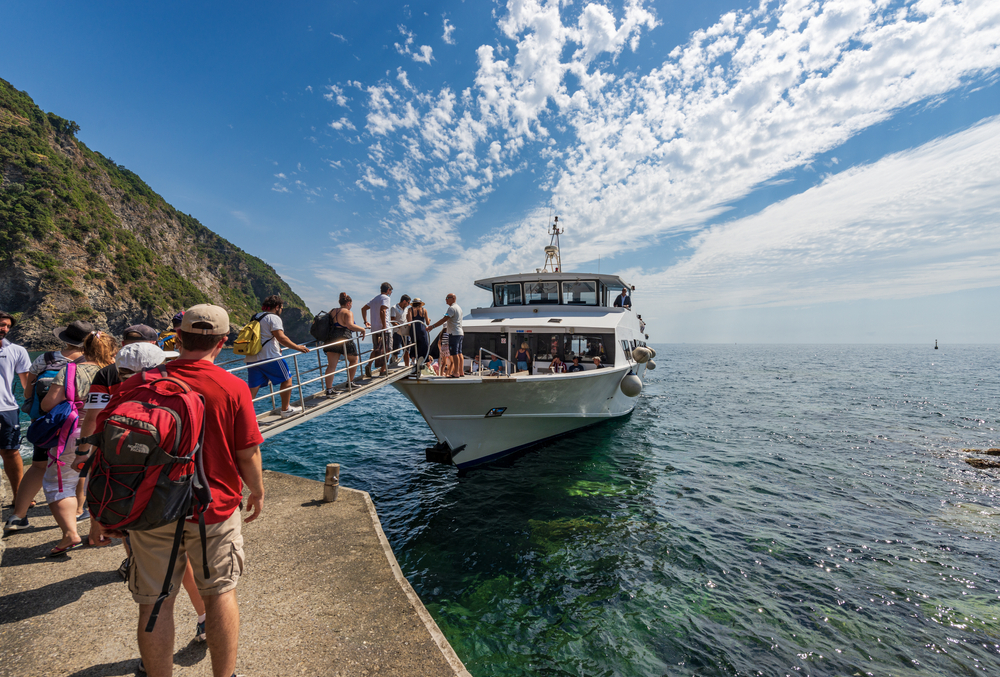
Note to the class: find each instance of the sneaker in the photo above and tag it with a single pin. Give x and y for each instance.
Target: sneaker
(291, 411)
(199, 632)
(15, 524)
(330, 392)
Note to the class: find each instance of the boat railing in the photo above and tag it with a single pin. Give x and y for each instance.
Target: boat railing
(300, 377)
(482, 367)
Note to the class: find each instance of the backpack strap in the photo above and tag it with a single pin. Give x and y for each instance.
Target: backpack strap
(257, 318)
(68, 426)
(165, 591)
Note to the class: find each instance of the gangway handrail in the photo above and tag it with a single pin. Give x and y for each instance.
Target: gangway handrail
(298, 383)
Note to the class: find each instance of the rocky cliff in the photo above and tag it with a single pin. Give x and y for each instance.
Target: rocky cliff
(84, 238)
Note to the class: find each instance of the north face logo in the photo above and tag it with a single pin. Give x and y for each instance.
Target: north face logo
(138, 448)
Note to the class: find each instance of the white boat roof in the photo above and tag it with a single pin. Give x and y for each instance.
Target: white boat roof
(612, 281)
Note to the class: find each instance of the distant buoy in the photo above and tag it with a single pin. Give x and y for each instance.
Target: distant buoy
(935, 344)
(640, 354)
(650, 365)
(631, 385)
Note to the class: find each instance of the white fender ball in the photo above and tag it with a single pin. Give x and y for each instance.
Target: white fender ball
(652, 353)
(650, 365)
(631, 385)
(640, 354)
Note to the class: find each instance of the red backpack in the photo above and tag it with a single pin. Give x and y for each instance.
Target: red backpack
(147, 471)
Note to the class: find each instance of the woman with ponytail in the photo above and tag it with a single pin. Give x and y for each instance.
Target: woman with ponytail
(343, 339)
(61, 479)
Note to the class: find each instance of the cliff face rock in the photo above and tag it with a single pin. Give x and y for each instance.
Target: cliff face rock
(84, 238)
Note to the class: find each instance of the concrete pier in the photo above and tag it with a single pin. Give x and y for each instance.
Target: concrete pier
(322, 594)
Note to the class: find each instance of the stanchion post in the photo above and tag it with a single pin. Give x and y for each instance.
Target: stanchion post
(332, 483)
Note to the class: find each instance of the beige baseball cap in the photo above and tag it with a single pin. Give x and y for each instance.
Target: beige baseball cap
(213, 320)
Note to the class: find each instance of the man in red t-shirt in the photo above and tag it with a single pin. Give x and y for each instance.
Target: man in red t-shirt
(231, 457)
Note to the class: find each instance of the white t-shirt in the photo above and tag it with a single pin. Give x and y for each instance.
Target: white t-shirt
(13, 360)
(270, 349)
(375, 308)
(454, 323)
(398, 316)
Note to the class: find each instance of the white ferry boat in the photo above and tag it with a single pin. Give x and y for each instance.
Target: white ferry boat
(487, 415)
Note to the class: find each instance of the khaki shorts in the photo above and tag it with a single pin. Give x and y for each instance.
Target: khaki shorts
(151, 556)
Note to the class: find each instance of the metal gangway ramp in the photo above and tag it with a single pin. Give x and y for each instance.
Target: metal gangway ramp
(310, 390)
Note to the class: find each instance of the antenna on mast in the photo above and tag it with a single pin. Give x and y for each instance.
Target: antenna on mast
(553, 259)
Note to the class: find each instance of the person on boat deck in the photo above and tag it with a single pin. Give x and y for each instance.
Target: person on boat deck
(421, 339)
(272, 337)
(623, 300)
(381, 340)
(597, 363)
(400, 334)
(343, 338)
(556, 366)
(455, 366)
(475, 364)
(522, 358)
(495, 365)
(576, 366)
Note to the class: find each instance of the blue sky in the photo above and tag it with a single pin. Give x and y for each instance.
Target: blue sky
(762, 172)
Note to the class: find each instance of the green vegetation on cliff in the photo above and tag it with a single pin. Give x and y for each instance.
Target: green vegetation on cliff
(55, 191)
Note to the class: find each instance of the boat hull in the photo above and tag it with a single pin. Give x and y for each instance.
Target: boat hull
(484, 419)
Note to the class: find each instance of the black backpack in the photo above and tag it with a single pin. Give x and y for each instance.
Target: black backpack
(322, 327)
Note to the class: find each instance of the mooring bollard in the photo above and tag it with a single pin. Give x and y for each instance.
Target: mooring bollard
(332, 484)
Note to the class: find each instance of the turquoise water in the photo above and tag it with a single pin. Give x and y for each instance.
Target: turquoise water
(765, 510)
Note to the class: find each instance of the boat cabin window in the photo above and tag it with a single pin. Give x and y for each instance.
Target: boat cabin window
(579, 293)
(541, 293)
(542, 347)
(507, 294)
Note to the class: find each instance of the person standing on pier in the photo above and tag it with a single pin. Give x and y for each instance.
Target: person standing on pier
(455, 366)
(272, 337)
(231, 456)
(381, 340)
(13, 360)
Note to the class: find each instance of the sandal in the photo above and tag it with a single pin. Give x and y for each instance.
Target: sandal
(57, 552)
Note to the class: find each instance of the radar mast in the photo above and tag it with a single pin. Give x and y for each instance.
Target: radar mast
(553, 259)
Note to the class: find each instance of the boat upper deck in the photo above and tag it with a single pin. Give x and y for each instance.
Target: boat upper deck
(554, 288)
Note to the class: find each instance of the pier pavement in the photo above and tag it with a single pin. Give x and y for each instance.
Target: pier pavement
(322, 594)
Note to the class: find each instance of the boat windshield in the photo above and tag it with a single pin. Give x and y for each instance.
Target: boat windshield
(540, 293)
(507, 294)
(579, 293)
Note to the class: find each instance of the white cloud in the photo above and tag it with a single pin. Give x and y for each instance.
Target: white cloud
(423, 53)
(447, 35)
(912, 224)
(336, 94)
(658, 152)
(342, 123)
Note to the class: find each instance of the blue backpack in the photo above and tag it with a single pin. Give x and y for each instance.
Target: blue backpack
(52, 428)
(33, 407)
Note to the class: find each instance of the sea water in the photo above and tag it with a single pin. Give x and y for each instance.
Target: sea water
(765, 510)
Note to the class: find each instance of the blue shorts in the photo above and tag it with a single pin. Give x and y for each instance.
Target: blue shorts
(455, 343)
(272, 372)
(10, 429)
